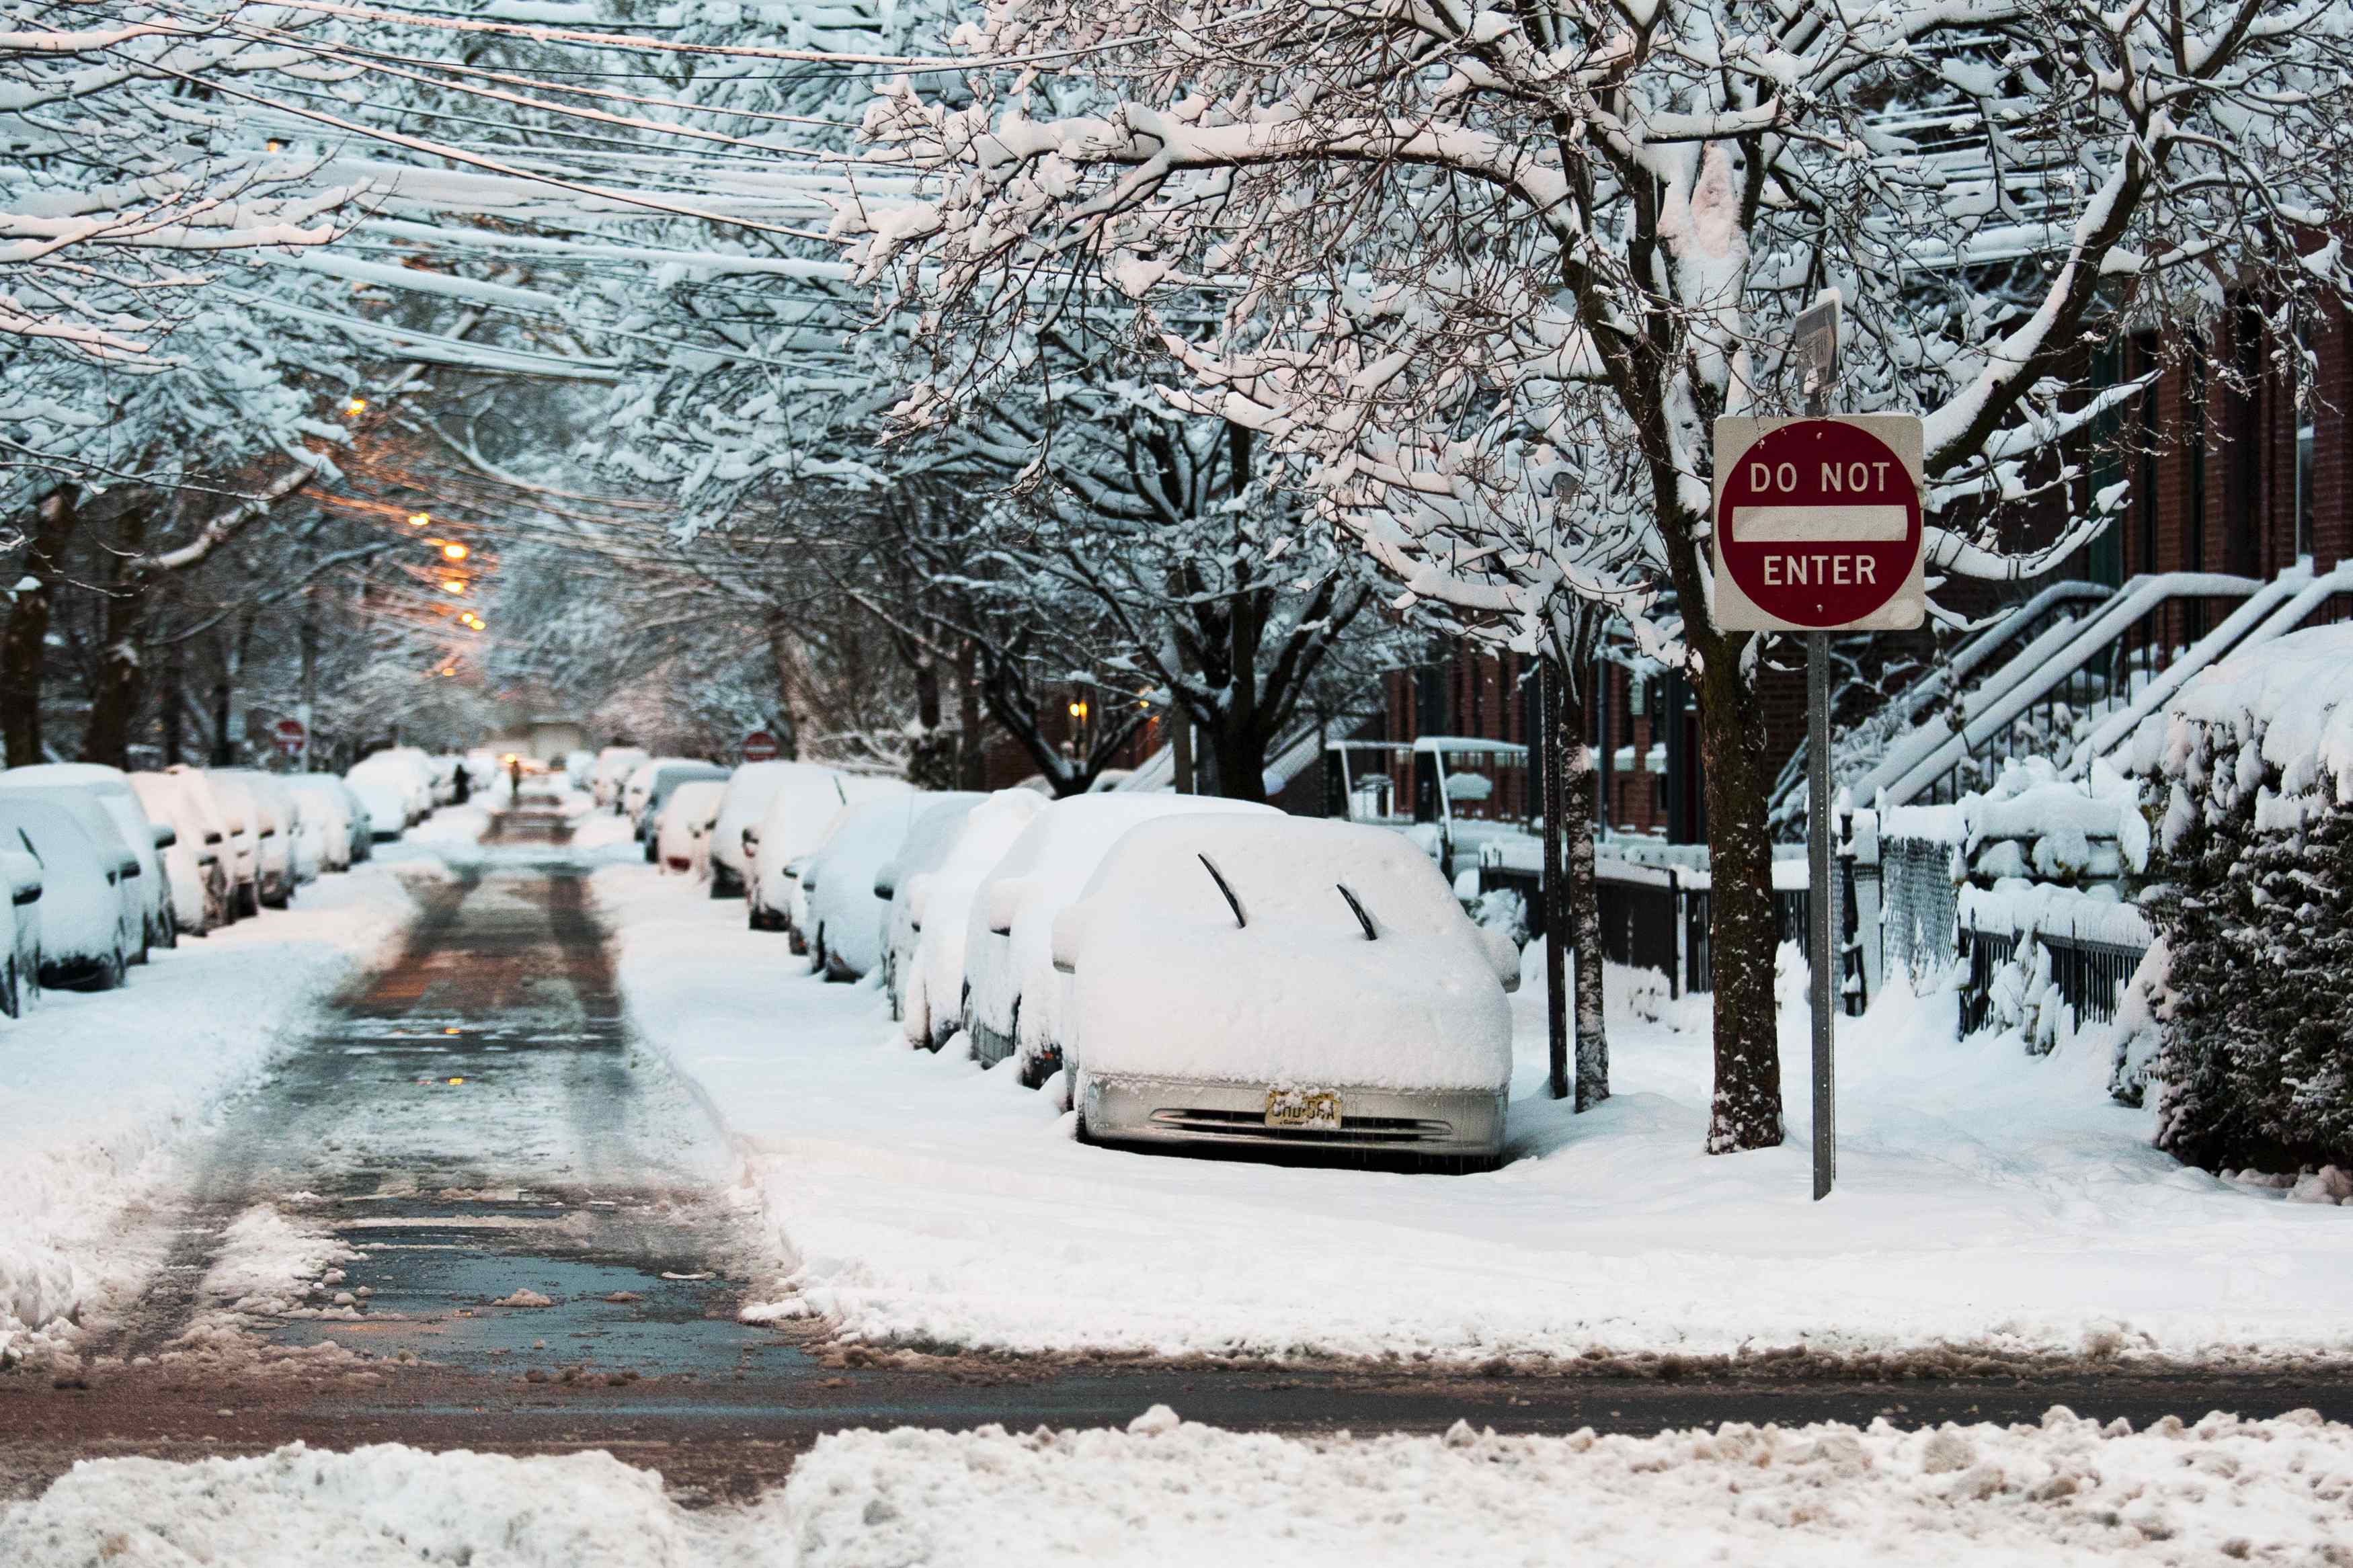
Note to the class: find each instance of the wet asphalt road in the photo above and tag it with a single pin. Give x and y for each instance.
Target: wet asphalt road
(526, 1211)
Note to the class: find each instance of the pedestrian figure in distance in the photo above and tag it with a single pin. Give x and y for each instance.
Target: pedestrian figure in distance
(514, 780)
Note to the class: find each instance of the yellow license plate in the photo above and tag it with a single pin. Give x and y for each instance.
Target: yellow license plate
(1303, 1109)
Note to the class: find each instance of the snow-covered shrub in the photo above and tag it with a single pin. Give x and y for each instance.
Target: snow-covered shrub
(2254, 1044)
(1502, 910)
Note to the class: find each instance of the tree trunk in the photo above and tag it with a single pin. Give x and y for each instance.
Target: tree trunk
(224, 696)
(1237, 750)
(24, 646)
(972, 760)
(174, 719)
(115, 705)
(788, 729)
(1743, 938)
(1583, 900)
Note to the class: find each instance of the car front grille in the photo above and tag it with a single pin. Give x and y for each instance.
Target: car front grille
(1353, 1129)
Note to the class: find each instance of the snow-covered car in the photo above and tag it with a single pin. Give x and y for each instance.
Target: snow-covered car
(1283, 983)
(145, 835)
(442, 773)
(382, 802)
(20, 880)
(939, 907)
(683, 829)
(1013, 997)
(653, 785)
(408, 771)
(230, 807)
(194, 862)
(84, 942)
(579, 768)
(611, 775)
(132, 907)
(929, 838)
(846, 912)
(358, 824)
(326, 819)
(792, 822)
(274, 816)
(751, 789)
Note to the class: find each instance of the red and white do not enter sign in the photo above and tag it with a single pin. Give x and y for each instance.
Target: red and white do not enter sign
(1817, 524)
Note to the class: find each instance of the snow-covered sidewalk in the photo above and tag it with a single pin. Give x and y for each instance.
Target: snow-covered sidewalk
(1991, 1206)
(99, 1093)
(1166, 1492)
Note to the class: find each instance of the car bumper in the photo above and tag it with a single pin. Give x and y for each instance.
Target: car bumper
(1126, 1110)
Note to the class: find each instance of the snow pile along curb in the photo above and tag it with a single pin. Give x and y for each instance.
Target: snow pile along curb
(1165, 1491)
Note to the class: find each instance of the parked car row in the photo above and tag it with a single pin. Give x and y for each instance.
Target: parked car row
(102, 867)
(1195, 971)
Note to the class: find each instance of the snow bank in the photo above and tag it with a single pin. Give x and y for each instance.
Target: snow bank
(1989, 1205)
(98, 1093)
(1166, 1492)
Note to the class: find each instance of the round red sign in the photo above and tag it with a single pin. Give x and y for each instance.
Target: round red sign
(759, 746)
(1819, 522)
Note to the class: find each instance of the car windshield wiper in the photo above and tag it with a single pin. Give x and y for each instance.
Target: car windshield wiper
(1357, 908)
(1218, 876)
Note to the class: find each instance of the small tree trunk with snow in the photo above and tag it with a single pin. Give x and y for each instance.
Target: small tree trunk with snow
(1584, 899)
(1742, 937)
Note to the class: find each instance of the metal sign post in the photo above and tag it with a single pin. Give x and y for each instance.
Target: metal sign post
(1818, 529)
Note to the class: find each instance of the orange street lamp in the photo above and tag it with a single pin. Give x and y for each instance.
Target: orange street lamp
(419, 518)
(357, 407)
(455, 551)
(452, 585)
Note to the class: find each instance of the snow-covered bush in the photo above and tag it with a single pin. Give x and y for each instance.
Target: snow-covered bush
(2254, 1056)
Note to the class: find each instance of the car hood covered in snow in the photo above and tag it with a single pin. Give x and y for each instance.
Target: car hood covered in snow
(1169, 983)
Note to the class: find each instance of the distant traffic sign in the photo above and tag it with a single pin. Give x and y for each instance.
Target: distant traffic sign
(289, 735)
(1817, 524)
(759, 746)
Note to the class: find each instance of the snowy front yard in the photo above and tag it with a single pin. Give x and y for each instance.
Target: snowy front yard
(1990, 1205)
(99, 1094)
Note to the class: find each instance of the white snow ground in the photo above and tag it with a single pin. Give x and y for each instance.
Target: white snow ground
(1989, 1204)
(99, 1094)
(1166, 1492)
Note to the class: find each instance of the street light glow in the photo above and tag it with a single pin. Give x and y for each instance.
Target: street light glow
(419, 518)
(455, 551)
(453, 586)
(357, 407)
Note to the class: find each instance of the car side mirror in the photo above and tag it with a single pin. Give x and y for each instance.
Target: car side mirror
(1504, 954)
(1070, 931)
(751, 840)
(796, 866)
(1003, 901)
(166, 834)
(918, 894)
(886, 881)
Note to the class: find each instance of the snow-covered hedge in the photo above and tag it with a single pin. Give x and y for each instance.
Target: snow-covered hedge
(2253, 1049)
